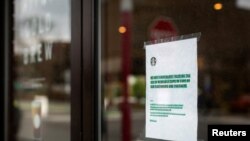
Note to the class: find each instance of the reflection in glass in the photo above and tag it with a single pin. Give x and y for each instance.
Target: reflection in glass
(41, 70)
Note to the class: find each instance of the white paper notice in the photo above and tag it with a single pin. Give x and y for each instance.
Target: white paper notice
(171, 91)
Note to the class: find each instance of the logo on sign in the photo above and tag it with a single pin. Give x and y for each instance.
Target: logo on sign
(153, 61)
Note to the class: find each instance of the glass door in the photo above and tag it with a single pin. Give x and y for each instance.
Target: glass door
(223, 61)
(41, 71)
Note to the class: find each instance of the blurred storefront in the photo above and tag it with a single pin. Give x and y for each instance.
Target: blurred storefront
(76, 68)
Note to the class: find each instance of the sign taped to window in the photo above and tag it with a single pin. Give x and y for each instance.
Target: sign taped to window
(171, 90)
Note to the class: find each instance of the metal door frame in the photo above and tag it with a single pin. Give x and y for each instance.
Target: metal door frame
(86, 114)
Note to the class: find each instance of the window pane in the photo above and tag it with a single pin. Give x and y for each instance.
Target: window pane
(223, 58)
(41, 70)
